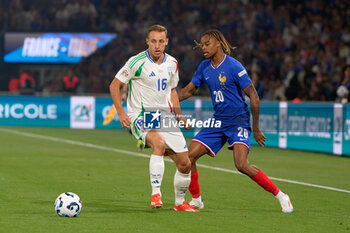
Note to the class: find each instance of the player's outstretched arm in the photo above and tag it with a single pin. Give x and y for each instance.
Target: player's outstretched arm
(187, 91)
(114, 88)
(254, 106)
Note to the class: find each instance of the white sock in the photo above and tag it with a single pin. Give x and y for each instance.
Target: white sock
(280, 195)
(156, 170)
(181, 183)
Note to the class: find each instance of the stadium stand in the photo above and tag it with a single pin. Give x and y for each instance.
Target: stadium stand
(297, 48)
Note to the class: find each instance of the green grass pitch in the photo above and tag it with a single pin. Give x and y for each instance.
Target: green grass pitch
(104, 168)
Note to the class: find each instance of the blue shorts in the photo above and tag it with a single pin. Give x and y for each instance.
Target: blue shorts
(215, 138)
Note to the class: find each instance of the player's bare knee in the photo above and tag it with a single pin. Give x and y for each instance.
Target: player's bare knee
(242, 167)
(184, 166)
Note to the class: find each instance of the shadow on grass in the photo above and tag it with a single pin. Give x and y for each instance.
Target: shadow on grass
(122, 206)
(102, 206)
(140, 206)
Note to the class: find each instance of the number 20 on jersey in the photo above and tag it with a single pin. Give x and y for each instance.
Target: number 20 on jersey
(219, 97)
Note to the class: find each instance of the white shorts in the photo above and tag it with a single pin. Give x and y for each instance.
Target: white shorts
(173, 137)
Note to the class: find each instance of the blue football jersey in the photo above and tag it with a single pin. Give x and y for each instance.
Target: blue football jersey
(226, 83)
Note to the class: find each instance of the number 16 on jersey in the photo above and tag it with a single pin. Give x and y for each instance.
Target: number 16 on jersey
(161, 84)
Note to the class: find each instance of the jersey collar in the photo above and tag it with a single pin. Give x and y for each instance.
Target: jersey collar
(149, 57)
(212, 66)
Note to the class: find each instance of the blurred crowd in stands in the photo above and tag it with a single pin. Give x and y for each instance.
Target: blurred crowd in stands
(294, 50)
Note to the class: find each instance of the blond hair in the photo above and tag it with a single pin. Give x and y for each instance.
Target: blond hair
(157, 28)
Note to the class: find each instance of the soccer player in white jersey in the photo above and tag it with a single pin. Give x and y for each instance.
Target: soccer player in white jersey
(152, 76)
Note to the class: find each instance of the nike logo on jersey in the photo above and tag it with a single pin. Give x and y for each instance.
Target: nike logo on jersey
(152, 74)
(206, 78)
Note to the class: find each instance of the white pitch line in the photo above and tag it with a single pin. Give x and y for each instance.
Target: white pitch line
(84, 144)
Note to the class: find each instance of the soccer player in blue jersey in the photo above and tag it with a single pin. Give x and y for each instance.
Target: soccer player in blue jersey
(228, 82)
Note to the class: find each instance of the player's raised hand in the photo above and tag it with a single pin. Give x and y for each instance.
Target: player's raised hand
(259, 137)
(124, 120)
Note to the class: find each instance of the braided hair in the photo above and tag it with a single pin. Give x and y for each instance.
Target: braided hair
(225, 45)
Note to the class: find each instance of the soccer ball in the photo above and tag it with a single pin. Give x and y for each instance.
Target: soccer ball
(68, 205)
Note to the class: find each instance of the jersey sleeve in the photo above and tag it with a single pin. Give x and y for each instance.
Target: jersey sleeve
(241, 76)
(124, 74)
(197, 79)
(174, 73)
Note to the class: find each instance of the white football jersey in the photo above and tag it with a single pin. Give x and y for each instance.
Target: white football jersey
(150, 84)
